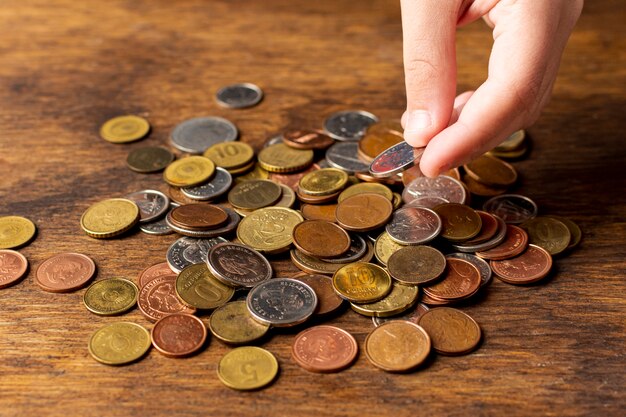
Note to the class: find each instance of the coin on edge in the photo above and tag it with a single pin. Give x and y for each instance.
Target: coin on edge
(110, 296)
(397, 346)
(124, 129)
(178, 335)
(65, 272)
(119, 343)
(15, 231)
(13, 267)
(239, 96)
(109, 218)
(324, 349)
(237, 366)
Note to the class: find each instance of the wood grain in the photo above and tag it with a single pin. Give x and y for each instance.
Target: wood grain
(66, 67)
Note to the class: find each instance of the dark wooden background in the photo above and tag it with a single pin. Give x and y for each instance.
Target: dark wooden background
(67, 66)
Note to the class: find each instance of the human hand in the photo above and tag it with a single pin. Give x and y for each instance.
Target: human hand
(529, 38)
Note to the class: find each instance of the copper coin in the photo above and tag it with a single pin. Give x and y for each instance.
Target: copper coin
(488, 229)
(411, 174)
(452, 331)
(530, 266)
(414, 265)
(200, 216)
(377, 141)
(363, 212)
(459, 222)
(152, 272)
(434, 303)
(491, 171)
(317, 199)
(321, 239)
(291, 180)
(460, 280)
(324, 349)
(514, 243)
(397, 346)
(65, 272)
(178, 335)
(13, 266)
(319, 211)
(177, 196)
(327, 300)
(158, 299)
(307, 139)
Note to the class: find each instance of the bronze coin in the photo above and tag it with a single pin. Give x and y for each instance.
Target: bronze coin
(152, 272)
(324, 349)
(307, 139)
(514, 243)
(291, 180)
(397, 346)
(149, 159)
(432, 302)
(377, 141)
(491, 171)
(13, 267)
(452, 331)
(488, 229)
(363, 212)
(317, 199)
(254, 194)
(321, 239)
(459, 222)
(530, 266)
(198, 216)
(65, 272)
(178, 335)
(177, 196)
(414, 265)
(460, 280)
(158, 299)
(319, 212)
(327, 300)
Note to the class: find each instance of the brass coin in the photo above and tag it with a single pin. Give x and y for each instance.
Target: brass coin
(197, 287)
(287, 198)
(242, 170)
(549, 233)
(363, 212)
(319, 211)
(247, 368)
(574, 230)
(254, 194)
(230, 155)
(321, 239)
(459, 222)
(15, 231)
(366, 187)
(119, 343)
(452, 331)
(269, 229)
(149, 159)
(109, 218)
(401, 298)
(361, 282)
(323, 181)
(189, 171)
(282, 158)
(111, 296)
(491, 171)
(232, 323)
(255, 173)
(124, 129)
(384, 247)
(416, 265)
(397, 346)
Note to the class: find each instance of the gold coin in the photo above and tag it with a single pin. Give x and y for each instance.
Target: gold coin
(119, 343)
(269, 229)
(110, 296)
(109, 218)
(397, 346)
(361, 282)
(15, 231)
(124, 129)
(385, 247)
(366, 187)
(282, 158)
(549, 233)
(401, 298)
(189, 171)
(491, 171)
(459, 222)
(230, 155)
(254, 194)
(322, 182)
(247, 368)
(197, 287)
(242, 170)
(232, 323)
(257, 173)
(513, 142)
(574, 230)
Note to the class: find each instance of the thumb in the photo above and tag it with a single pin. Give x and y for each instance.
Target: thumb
(428, 28)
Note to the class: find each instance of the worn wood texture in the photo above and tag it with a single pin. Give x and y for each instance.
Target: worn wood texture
(556, 348)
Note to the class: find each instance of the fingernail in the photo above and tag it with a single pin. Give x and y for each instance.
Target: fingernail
(418, 120)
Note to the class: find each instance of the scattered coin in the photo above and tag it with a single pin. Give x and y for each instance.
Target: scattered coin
(238, 265)
(269, 229)
(236, 367)
(178, 335)
(152, 272)
(549, 233)
(239, 96)
(379, 137)
(199, 216)
(366, 187)
(496, 240)
(322, 182)
(281, 302)
(413, 315)
(111, 296)
(189, 171)
(345, 156)
(158, 299)
(198, 288)
(515, 242)
(324, 349)
(327, 300)
(514, 141)
(414, 225)
(452, 331)
(415, 265)
(460, 280)
(152, 204)
(231, 224)
(319, 211)
(481, 264)
(188, 250)
(149, 159)
(384, 247)
(530, 266)
(397, 346)
(230, 155)
(459, 222)
(357, 249)
(13, 267)
(362, 282)
(283, 159)
(314, 265)
(348, 125)
(254, 194)
(110, 218)
(321, 239)
(443, 186)
(216, 187)
(65, 272)
(363, 212)
(400, 299)
(395, 159)
(198, 134)
(574, 229)
(491, 171)
(232, 323)
(488, 228)
(124, 129)
(512, 208)
(15, 231)
(119, 343)
(307, 139)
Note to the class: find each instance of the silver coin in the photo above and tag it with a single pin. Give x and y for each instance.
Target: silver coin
(238, 265)
(348, 125)
(282, 302)
(219, 184)
(428, 202)
(188, 250)
(442, 186)
(159, 227)
(395, 159)
(239, 96)
(413, 225)
(196, 135)
(412, 315)
(490, 244)
(231, 224)
(344, 156)
(481, 264)
(152, 204)
(512, 208)
(356, 251)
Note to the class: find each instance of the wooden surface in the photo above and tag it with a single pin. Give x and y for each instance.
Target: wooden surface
(551, 349)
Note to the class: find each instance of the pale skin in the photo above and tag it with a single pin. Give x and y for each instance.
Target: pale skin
(529, 38)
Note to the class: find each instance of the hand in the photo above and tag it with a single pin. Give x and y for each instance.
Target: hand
(529, 38)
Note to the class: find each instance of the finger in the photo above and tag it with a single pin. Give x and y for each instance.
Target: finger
(459, 103)
(428, 28)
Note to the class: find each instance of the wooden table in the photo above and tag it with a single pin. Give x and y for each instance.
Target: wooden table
(556, 348)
